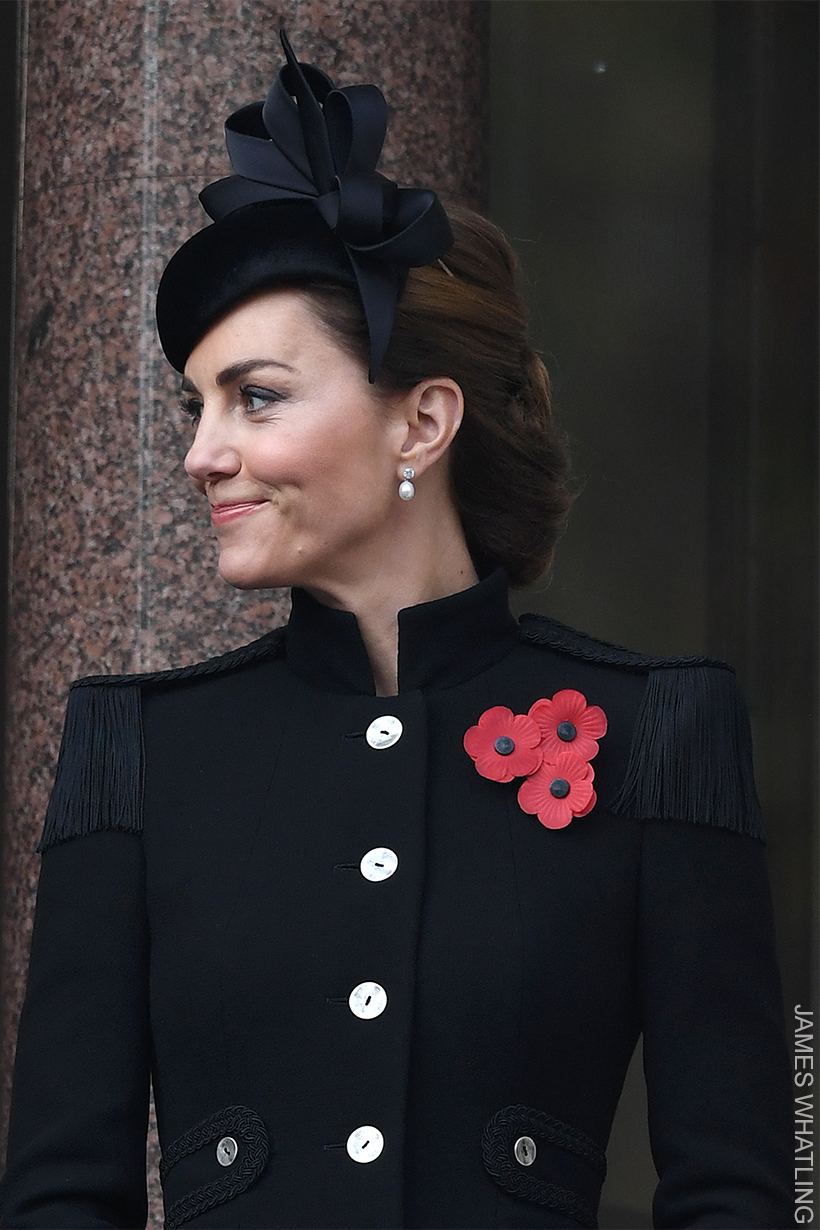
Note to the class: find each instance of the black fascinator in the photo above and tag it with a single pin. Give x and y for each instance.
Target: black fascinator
(305, 202)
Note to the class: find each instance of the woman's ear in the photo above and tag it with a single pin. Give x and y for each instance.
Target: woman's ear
(432, 411)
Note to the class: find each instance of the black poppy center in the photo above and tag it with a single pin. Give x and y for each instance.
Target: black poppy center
(566, 731)
(559, 788)
(504, 745)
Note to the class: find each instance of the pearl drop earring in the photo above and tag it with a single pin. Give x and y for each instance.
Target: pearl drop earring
(406, 489)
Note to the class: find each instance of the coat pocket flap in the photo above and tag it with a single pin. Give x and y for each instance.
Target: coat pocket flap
(539, 1158)
(223, 1155)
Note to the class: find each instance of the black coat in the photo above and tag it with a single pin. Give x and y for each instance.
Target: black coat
(203, 916)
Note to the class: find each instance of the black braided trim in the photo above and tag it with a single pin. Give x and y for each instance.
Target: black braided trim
(268, 646)
(540, 630)
(238, 1121)
(497, 1143)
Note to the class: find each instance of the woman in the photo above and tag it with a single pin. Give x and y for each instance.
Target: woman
(382, 901)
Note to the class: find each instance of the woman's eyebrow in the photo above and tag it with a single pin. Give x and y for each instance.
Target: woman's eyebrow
(236, 370)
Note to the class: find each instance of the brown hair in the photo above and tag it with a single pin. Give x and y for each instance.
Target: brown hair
(509, 466)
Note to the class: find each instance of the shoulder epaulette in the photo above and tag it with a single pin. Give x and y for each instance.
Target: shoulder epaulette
(691, 752)
(99, 779)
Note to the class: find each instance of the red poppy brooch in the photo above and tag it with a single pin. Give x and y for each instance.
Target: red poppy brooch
(551, 747)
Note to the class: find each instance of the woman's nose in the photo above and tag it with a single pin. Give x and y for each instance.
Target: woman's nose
(212, 454)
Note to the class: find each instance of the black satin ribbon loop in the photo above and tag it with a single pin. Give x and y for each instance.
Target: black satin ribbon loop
(227, 195)
(309, 140)
(280, 122)
(366, 204)
(356, 119)
(427, 228)
(263, 160)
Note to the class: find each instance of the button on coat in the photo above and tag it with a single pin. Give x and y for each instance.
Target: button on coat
(384, 732)
(367, 1000)
(365, 1144)
(226, 1151)
(378, 864)
(525, 1150)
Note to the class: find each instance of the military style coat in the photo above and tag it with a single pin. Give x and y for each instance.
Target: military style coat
(370, 989)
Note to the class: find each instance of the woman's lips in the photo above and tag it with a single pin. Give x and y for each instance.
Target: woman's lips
(222, 513)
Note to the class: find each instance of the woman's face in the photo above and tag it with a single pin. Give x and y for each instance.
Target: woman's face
(299, 459)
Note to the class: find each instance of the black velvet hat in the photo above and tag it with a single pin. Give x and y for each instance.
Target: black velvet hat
(305, 203)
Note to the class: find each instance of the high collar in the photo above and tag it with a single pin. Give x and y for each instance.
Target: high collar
(441, 643)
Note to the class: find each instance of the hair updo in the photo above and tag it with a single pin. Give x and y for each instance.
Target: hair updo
(509, 466)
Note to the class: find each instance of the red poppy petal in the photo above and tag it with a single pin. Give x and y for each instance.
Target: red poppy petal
(584, 747)
(525, 730)
(551, 745)
(593, 722)
(552, 813)
(525, 760)
(534, 791)
(474, 741)
(556, 817)
(494, 767)
(592, 801)
(496, 720)
(542, 705)
(571, 703)
(573, 767)
(579, 795)
(541, 714)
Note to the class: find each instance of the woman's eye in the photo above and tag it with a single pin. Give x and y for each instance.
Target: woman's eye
(256, 400)
(191, 407)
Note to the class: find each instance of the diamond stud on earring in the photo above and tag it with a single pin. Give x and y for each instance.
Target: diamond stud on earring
(406, 489)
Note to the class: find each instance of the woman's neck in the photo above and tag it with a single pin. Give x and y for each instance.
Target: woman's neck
(377, 599)
(379, 626)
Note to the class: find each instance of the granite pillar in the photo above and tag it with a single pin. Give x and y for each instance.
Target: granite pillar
(112, 559)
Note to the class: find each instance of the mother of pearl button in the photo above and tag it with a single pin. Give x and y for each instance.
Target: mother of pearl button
(383, 732)
(367, 1000)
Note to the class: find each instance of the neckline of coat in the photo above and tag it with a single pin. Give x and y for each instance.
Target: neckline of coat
(441, 644)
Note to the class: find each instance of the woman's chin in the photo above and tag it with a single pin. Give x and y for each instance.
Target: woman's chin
(247, 576)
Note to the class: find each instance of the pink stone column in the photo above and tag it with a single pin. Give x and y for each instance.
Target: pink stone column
(112, 561)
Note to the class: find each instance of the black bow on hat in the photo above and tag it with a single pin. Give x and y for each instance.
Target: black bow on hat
(310, 142)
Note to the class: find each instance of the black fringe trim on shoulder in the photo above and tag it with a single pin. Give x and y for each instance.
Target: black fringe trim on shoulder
(691, 754)
(99, 777)
(99, 771)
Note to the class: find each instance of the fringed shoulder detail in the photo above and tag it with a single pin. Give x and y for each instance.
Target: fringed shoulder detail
(541, 630)
(99, 780)
(691, 753)
(99, 771)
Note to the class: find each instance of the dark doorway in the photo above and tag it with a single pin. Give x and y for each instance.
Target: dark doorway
(656, 165)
